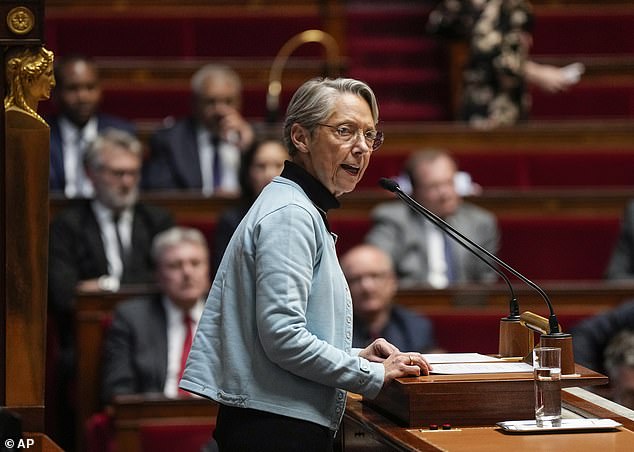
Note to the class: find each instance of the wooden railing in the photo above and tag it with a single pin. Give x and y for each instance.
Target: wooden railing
(557, 202)
(134, 414)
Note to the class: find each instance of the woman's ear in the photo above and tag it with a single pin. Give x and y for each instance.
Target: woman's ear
(300, 138)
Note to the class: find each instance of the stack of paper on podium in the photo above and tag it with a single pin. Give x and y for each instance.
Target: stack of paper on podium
(473, 363)
(468, 389)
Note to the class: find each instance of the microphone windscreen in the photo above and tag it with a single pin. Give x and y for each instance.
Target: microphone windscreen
(388, 184)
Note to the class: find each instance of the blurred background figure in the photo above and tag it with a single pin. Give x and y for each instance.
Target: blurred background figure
(78, 98)
(498, 68)
(370, 275)
(421, 252)
(592, 335)
(149, 339)
(621, 265)
(619, 365)
(98, 244)
(260, 164)
(202, 152)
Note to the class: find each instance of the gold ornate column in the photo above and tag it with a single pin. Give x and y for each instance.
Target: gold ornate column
(24, 168)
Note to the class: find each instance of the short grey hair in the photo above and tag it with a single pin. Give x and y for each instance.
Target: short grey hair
(314, 102)
(175, 236)
(113, 137)
(214, 71)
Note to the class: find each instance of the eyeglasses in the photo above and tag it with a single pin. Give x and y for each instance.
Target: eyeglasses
(373, 138)
(374, 277)
(120, 173)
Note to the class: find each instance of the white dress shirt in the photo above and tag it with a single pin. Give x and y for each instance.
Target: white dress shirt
(436, 258)
(175, 338)
(74, 144)
(229, 163)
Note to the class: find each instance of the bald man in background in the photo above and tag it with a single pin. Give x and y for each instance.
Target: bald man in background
(373, 285)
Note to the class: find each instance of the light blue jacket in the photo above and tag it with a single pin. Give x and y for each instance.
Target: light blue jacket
(276, 332)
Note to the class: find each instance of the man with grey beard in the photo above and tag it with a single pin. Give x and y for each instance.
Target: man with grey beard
(100, 243)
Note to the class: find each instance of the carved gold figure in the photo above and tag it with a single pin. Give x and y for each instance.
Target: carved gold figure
(30, 79)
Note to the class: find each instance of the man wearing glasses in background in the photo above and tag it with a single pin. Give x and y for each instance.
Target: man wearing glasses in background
(98, 244)
(373, 285)
(202, 152)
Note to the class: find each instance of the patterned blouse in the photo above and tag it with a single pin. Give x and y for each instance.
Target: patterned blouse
(498, 34)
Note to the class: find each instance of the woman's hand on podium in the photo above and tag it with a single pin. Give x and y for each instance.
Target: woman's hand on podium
(378, 351)
(397, 364)
(401, 364)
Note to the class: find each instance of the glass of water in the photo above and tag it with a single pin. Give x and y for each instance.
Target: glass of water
(547, 377)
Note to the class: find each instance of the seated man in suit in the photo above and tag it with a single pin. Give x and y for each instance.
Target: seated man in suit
(592, 335)
(422, 253)
(202, 152)
(149, 339)
(78, 97)
(370, 275)
(605, 343)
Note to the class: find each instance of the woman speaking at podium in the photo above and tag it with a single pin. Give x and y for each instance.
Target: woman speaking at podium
(273, 347)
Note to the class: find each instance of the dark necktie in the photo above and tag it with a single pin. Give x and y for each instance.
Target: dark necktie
(187, 345)
(216, 164)
(116, 216)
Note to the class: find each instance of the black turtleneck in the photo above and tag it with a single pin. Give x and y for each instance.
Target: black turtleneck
(315, 190)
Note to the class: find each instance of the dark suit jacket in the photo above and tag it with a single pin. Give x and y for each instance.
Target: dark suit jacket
(407, 330)
(57, 177)
(173, 162)
(592, 335)
(135, 349)
(226, 226)
(76, 251)
(400, 232)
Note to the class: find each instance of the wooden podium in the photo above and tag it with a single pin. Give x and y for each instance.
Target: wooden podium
(467, 400)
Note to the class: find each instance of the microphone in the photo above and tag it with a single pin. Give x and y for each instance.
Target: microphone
(554, 332)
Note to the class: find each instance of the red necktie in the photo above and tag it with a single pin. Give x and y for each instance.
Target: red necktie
(216, 164)
(187, 344)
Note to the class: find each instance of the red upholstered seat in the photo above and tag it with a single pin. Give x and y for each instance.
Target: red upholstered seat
(596, 169)
(564, 168)
(583, 31)
(207, 227)
(100, 433)
(175, 437)
(588, 99)
(177, 34)
(477, 331)
(558, 248)
(350, 232)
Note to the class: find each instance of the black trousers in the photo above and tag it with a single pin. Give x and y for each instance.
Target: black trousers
(247, 430)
